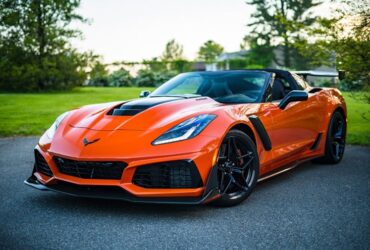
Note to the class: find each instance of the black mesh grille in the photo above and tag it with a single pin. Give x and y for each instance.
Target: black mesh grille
(90, 169)
(175, 174)
(41, 165)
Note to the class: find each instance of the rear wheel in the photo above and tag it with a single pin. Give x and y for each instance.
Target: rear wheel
(238, 168)
(335, 139)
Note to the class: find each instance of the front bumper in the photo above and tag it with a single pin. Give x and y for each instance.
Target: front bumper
(124, 188)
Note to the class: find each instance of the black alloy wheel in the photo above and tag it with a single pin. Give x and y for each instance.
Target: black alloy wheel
(335, 139)
(238, 168)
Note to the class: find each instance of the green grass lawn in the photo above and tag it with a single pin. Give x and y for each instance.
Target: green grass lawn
(358, 110)
(32, 114)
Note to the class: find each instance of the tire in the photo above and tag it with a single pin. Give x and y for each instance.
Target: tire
(335, 140)
(238, 169)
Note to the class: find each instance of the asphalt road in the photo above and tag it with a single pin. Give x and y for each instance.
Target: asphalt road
(312, 206)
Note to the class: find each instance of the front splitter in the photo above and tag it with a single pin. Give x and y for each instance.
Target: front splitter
(116, 193)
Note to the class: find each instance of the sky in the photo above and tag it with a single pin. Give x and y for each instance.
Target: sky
(133, 30)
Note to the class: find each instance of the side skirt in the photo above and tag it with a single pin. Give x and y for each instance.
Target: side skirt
(283, 169)
(277, 172)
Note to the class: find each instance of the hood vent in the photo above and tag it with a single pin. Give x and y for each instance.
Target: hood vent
(128, 110)
(136, 106)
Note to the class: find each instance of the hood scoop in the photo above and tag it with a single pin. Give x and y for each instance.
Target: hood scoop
(134, 107)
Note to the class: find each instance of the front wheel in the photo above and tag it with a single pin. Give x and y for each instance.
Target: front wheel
(335, 140)
(238, 168)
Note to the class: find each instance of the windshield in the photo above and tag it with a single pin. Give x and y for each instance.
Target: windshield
(225, 87)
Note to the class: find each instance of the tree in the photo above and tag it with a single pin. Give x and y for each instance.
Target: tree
(260, 51)
(173, 51)
(34, 50)
(350, 30)
(279, 22)
(344, 41)
(180, 66)
(155, 65)
(149, 78)
(98, 75)
(209, 51)
(120, 78)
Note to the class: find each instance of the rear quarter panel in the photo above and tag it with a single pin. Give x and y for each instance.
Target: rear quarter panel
(332, 100)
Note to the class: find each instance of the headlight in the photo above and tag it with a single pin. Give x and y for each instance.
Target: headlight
(51, 131)
(185, 130)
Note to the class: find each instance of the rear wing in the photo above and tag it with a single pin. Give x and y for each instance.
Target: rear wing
(340, 74)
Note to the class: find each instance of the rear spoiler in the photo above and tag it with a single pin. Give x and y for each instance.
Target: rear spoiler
(340, 74)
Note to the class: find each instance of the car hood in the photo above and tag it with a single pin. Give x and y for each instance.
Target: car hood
(140, 114)
(153, 113)
(152, 117)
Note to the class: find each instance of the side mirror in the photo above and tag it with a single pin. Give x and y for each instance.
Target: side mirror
(293, 96)
(144, 93)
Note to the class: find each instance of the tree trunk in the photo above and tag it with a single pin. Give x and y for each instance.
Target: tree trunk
(41, 42)
(286, 53)
(285, 36)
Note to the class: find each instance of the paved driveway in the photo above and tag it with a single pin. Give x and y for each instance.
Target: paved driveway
(313, 206)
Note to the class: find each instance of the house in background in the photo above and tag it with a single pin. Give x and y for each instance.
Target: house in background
(223, 60)
(226, 61)
(236, 60)
(199, 66)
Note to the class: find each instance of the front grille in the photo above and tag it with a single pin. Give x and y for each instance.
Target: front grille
(91, 169)
(41, 165)
(174, 174)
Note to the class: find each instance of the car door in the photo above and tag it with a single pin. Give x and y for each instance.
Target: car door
(296, 127)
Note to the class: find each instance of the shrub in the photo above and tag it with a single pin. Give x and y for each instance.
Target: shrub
(148, 78)
(120, 78)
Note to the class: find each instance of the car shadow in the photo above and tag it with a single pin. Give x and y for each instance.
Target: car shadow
(55, 201)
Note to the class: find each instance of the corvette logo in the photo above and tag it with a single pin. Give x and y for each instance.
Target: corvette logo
(87, 142)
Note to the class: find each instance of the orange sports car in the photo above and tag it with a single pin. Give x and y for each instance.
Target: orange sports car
(201, 137)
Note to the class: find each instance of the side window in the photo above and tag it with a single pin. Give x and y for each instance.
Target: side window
(287, 87)
(280, 88)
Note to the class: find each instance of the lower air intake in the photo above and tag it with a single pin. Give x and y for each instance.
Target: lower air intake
(91, 169)
(41, 165)
(174, 174)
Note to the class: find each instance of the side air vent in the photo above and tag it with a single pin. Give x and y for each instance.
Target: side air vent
(316, 142)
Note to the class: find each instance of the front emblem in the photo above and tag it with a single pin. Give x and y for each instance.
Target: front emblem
(86, 142)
